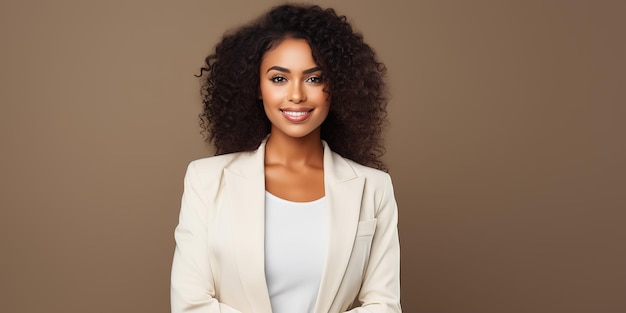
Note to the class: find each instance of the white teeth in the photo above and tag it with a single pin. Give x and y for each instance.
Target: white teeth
(295, 114)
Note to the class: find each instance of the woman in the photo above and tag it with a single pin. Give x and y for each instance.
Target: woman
(294, 214)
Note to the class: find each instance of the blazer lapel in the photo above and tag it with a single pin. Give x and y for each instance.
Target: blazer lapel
(344, 190)
(245, 190)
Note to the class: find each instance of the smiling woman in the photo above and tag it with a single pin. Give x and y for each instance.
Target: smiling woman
(294, 104)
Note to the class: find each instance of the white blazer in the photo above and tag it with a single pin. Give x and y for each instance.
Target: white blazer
(219, 258)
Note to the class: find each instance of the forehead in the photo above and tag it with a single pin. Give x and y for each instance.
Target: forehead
(289, 53)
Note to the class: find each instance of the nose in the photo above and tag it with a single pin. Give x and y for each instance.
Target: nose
(297, 94)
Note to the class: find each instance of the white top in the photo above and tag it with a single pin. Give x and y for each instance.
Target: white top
(296, 239)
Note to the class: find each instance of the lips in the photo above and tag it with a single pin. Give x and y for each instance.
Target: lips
(296, 115)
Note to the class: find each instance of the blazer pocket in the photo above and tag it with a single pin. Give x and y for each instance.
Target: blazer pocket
(366, 228)
(359, 258)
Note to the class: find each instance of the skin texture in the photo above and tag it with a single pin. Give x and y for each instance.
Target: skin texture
(290, 81)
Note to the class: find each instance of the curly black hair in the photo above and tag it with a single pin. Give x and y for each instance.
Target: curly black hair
(233, 116)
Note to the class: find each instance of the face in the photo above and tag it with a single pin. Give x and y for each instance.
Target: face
(292, 90)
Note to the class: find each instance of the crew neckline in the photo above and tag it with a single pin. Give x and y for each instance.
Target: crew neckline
(269, 194)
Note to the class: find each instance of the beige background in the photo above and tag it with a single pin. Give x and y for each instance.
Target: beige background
(506, 146)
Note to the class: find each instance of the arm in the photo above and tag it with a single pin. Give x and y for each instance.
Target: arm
(380, 290)
(192, 285)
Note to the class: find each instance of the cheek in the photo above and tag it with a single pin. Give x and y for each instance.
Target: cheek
(267, 92)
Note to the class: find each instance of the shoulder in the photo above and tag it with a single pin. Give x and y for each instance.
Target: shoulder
(366, 171)
(217, 162)
(377, 182)
(344, 168)
(210, 169)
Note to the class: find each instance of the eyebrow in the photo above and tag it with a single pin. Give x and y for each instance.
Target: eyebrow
(284, 70)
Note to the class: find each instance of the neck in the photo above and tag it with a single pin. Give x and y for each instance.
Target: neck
(290, 151)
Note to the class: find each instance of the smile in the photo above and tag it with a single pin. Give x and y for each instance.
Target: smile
(296, 116)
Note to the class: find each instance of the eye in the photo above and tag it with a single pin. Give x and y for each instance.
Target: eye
(314, 80)
(278, 79)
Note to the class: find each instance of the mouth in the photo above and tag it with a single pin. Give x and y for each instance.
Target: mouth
(299, 115)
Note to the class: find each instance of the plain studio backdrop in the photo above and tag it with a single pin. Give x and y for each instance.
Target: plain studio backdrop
(506, 146)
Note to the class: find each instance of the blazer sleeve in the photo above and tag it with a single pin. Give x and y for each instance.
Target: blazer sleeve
(192, 286)
(380, 290)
